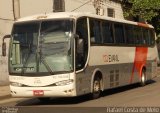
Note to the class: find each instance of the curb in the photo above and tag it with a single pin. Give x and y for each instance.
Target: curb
(5, 97)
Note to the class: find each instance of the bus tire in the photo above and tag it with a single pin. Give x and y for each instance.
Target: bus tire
(143, 78)
(96, 88)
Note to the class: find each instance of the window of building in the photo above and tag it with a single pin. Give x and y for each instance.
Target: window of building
(111, 12)
(58, 5)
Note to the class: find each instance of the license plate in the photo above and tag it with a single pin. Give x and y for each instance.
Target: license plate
(38, 92)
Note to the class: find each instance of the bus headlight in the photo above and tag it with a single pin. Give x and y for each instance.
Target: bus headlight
(64, 82)
(16, 84)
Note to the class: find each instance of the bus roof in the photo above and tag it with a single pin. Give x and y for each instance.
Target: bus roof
(74, 15)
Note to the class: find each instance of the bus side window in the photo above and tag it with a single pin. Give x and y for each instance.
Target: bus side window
(138, 35)
(119, 33)
(151, 37)
(95, 31)
(107, 32)
(145, 37)
(81, 43)
(129, 34)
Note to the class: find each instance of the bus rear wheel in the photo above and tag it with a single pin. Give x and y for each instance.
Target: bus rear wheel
(96, 88)
(143, 78)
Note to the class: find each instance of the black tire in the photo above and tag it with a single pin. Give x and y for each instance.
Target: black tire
(44, 99)
(143, 78)
(96, 88)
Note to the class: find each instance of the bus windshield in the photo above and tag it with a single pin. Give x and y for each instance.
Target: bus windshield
(42, 47)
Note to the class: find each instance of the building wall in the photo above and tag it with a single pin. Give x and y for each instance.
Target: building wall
(31, 7)
(90, 8)
(5, 28)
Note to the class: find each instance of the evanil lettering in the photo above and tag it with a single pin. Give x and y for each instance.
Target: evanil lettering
(110, 58)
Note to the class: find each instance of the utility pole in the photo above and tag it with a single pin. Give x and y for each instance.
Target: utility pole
(16, 9)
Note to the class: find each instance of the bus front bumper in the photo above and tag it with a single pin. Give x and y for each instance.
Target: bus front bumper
(56, 91)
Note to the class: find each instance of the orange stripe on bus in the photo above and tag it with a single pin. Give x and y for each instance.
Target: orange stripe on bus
(139, 61)
(143, 24)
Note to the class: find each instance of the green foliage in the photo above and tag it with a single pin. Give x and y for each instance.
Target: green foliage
(149, 10)
(146, 9)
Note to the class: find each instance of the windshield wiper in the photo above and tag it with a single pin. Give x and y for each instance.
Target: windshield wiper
(45, 63)
(47, 66)
(24, 65)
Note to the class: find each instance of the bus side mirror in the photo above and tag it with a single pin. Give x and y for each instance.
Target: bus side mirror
(76, 36)
(4, 47)
(80, 46)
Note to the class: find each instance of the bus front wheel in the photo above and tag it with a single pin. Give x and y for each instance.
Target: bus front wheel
(96, 88)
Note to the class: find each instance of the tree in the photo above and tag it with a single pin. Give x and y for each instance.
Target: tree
(149, 10)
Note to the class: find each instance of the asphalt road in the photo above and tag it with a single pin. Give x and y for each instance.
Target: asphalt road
(128, 96)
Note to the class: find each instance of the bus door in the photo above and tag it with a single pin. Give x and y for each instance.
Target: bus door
(81, 55)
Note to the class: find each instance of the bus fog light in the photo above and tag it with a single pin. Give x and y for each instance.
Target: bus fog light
(16, 84)
(13, 92)
(65, 82)
(69, 91)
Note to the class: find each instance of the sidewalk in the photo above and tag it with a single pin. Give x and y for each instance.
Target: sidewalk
(4, 92)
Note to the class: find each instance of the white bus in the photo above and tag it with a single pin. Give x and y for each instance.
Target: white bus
(72, 54)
